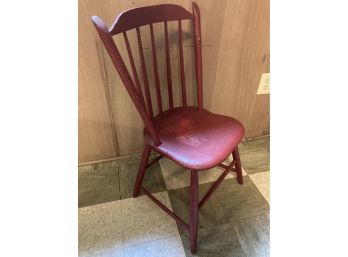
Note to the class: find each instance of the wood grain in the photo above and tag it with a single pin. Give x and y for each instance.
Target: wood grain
(235, 46)
(243, 56)
(96, 139)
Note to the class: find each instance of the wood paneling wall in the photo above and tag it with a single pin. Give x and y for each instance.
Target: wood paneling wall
(235, 43)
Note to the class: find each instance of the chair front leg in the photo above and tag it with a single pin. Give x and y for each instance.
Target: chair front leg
(193, 211)
(238, 165)
(141, 171)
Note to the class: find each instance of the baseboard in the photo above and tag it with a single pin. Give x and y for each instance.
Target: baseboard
(111, 159)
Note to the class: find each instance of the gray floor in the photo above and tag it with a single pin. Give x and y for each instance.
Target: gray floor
(234, 222)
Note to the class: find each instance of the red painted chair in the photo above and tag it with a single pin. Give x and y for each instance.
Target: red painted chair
(190, 136)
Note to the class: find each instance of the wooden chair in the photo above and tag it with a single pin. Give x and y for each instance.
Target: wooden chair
(191, 136)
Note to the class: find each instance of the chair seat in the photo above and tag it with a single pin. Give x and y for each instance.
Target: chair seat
(196, 140)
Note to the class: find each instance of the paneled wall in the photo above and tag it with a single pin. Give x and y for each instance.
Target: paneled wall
(235, 45)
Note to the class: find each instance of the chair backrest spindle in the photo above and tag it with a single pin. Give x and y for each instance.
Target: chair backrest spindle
(169, 73)
(131, 60)
(143, 69)
(155, 70)
(182, 68)
(198, 53)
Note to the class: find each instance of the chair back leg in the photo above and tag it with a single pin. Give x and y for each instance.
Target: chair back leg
(141, 171)
(193, 211)
(238, 165)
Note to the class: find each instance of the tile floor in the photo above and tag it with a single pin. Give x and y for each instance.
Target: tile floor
(234, 221)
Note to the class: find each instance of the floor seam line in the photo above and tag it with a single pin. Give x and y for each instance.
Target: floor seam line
(119, 182)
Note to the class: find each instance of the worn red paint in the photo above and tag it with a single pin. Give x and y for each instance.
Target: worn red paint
(190, 136)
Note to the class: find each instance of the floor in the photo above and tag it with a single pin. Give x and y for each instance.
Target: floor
(234, 221)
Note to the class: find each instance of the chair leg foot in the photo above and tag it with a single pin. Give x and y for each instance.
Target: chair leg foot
(141, 171)
(238, 165)
(193, 211)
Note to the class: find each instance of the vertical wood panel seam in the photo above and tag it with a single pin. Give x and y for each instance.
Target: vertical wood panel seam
(218, 60)
(108, 97)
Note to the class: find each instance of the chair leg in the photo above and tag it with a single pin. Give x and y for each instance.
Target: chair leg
(193, 211)
(238, 165)
(141, 171)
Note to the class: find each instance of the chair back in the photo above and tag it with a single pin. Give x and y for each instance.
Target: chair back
(147, 16)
